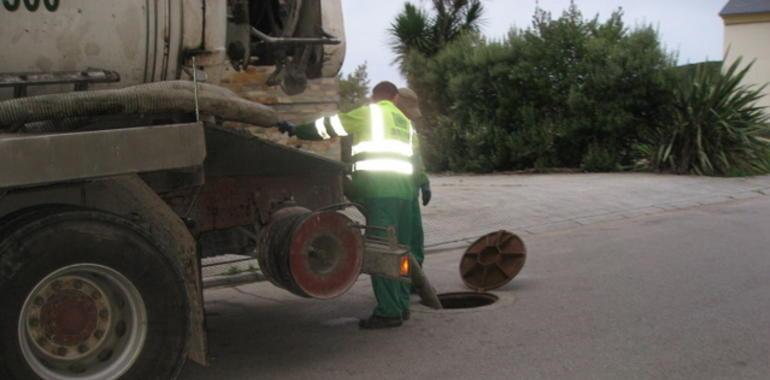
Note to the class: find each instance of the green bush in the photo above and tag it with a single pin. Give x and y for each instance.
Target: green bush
(714, 126)
(598, 159)
(542, 97)
(579, 93)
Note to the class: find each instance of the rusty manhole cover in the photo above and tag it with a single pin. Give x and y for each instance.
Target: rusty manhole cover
(493, 261)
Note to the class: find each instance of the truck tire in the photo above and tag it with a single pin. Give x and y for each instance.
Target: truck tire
(88, 295)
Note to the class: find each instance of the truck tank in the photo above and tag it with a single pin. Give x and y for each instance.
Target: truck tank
(154, 40)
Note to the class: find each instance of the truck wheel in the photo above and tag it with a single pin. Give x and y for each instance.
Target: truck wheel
(87, 295)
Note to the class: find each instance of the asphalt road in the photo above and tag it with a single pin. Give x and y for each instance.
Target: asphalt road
(681, 294)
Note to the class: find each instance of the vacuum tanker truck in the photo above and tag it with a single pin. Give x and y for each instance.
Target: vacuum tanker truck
(135, 141)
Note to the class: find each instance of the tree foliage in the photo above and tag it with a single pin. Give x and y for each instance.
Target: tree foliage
(714, 126)
(575, 92)
(354, 88)
(426, 33)
(566, 92)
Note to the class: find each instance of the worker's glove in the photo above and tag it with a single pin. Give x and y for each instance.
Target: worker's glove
(286, 127)
(426, 194)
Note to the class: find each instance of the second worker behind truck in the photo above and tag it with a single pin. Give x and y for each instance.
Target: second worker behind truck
(408, 103)
(382, 152)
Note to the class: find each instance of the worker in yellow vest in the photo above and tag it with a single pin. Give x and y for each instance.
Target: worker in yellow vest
(382, 175)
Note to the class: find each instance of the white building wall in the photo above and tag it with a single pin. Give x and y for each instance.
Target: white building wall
(752, 42)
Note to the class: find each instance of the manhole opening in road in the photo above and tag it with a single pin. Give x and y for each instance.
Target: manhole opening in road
(466, 300)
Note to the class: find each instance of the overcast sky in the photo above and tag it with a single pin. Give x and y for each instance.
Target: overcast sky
(691, 27)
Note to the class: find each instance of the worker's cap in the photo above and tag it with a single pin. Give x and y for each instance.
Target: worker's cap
(409, 102)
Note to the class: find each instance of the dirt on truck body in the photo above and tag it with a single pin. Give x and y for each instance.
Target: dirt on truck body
(134, 141)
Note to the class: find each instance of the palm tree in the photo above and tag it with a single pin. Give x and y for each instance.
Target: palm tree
(417, 30)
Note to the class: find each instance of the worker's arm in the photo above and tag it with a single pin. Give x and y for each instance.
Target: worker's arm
(421, 179)
(339, 125)
(420, 176)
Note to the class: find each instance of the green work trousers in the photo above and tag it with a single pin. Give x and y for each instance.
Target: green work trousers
(392, 295)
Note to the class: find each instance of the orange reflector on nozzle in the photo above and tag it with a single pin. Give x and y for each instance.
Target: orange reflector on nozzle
(404, 271)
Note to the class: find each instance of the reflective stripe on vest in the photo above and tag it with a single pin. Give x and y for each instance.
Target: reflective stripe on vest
(378, 144)
(320, 128)
(386, 146)
(335, 123)
(337, 126)
(384, 165)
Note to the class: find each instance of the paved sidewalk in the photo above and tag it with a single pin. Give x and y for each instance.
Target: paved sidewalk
(465, 207)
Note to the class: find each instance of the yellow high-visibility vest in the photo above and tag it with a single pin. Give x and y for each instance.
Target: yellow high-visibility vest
(383, 138)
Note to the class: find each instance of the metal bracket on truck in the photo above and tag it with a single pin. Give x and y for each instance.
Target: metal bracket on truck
(28, 160)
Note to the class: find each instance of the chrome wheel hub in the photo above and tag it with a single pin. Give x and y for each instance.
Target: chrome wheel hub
(84, 321)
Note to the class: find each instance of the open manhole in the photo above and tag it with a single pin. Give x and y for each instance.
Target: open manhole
(466, 300)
